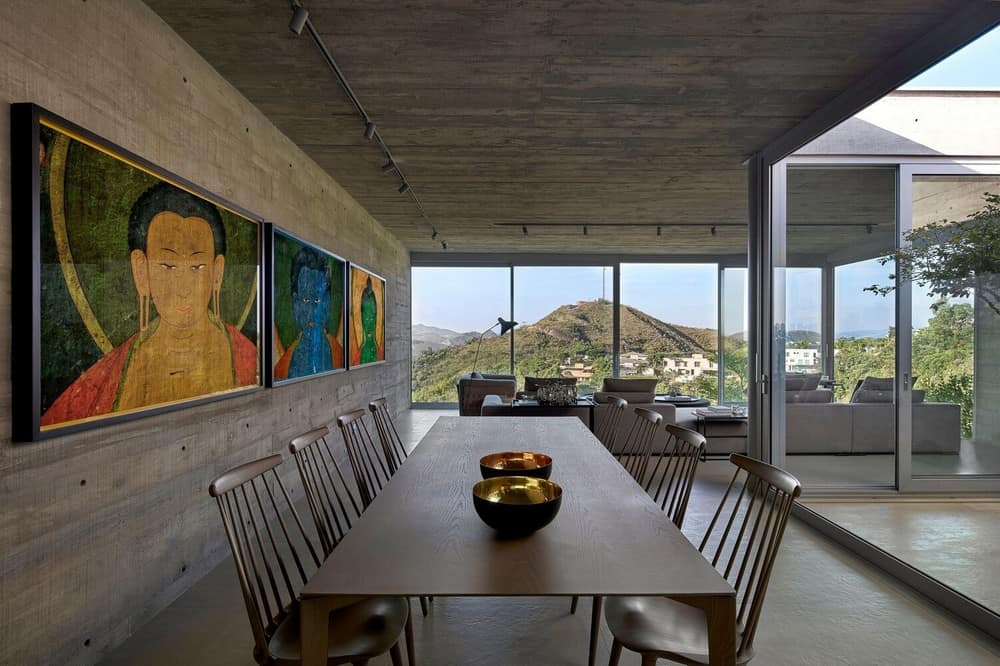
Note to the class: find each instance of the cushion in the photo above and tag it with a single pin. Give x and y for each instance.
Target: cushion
(619, 385)
(803, 381)
(878, 383)
(631, 397)
(817, 396)
(870, 395)
(917, 396)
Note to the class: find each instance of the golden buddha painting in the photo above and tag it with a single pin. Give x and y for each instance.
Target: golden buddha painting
(148, 291)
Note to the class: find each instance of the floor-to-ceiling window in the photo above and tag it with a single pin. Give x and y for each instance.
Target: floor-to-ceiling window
(733, 341)
(565, 323)
(669, 326)
(451, 308)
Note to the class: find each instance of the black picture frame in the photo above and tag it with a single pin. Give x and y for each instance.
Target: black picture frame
(27, 120)
(272, 232)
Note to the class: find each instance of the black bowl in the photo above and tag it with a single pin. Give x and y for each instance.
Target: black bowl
(516, 504)
(521, 463)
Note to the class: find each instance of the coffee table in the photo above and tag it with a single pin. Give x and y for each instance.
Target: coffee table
(683, 400)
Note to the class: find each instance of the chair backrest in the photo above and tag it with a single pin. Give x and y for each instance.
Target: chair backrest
(331, 502)
(672, 477)
(392, 443)
(607, 432)
(371, 472)
(639, 442)
(270, 562)
(745, 554)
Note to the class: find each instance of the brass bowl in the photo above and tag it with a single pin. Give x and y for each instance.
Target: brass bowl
(521, 463)
(516, 504)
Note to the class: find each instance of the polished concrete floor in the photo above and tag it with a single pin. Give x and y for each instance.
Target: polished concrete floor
(956, 542)
(824, 607)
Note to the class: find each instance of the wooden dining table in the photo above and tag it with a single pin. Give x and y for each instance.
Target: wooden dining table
(422, 537)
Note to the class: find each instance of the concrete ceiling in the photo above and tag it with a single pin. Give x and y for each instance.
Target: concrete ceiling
(552, 111)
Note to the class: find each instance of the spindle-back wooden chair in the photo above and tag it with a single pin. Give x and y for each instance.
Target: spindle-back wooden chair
(274, 559)
(742, 545)
(638, 446)
(392, 443)
(371, 471)
(611, 418)
(672, 477)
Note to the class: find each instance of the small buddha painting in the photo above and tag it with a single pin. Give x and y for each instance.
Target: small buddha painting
(308, 310)
(367, 318)
(148, 290)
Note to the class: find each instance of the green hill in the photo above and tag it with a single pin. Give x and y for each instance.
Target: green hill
(577, 330)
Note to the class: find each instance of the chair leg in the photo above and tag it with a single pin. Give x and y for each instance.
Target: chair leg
(411, 655)
(423, 606)
(573, 605)
(595, 629)
(395, 655)
(616, 653)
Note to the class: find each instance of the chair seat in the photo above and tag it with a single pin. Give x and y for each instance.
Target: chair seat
(658, 624)
(367, 628)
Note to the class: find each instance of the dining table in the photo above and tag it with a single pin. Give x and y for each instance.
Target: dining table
(422, 537)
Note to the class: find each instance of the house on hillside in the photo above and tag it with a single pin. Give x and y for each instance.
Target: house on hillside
(687, 368)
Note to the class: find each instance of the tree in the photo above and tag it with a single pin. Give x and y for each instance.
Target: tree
(953, 258)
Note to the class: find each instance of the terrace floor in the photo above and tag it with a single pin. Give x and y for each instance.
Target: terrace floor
(825, 606)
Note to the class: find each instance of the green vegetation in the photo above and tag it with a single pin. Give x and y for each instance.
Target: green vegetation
(942, 359)
(579, 332)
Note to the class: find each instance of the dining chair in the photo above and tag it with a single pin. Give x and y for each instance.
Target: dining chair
(607, 432)
(669, 484)
(272, 557)
(392, 443)
(371, 471)
(742, 547)
(633, 457)
(638, 446)
(673, 473)
(367, 463)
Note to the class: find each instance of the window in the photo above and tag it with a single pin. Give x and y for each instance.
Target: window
(451, 308)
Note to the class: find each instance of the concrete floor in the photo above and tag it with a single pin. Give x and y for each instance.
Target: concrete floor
(956, 542)
(824, 607)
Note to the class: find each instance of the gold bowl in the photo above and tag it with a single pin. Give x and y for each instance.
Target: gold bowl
(516, 504)
(521, 463)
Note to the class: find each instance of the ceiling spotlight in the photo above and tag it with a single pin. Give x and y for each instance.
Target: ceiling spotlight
(404, 188)
(434, 233)
(444, 245)
(659, 230)
(868, 228)
(524, 230)
(584, 230)
(713, 230)
(369, 130)
(299, 19)
(389, 167)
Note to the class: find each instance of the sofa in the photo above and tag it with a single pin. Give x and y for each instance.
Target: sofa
(815, 424)
(472, 390)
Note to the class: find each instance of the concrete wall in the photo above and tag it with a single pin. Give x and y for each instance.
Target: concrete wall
(101, 530)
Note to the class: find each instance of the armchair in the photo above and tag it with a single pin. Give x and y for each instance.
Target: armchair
(472, 391)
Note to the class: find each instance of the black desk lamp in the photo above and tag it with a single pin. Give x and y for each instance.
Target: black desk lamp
(504, 327)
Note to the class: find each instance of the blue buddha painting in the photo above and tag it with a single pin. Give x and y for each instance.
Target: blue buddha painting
(309, 317)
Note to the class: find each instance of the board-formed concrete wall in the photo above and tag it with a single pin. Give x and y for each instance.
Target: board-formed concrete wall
(101, 530)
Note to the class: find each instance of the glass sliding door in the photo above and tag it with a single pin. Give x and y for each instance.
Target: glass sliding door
(950, 394)
(565, 323)
(669, 327)
(451, 307)
(734, 340)
(830, 332)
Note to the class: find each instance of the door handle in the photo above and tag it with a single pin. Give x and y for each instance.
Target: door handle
(906, 381)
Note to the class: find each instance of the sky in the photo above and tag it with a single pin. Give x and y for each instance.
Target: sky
(464, 299)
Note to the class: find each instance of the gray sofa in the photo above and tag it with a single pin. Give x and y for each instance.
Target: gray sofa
(866, 424)
(473, 390)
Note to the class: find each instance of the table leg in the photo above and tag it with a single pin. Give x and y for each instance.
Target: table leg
(314, 630)
(720, 612)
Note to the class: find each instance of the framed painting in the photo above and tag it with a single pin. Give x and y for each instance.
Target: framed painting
(366, 321)
(134, 291)
(307, 288)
